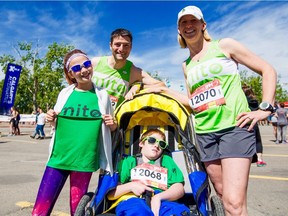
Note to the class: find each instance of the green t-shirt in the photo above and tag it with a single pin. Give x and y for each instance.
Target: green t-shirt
(217, 95)
(77, 132)
(115, 81)
(174, 173)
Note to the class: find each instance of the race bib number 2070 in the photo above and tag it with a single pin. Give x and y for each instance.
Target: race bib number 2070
(206, 96)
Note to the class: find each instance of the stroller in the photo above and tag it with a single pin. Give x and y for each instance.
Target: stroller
(156, 110)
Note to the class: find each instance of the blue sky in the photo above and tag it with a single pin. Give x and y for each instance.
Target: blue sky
(262, 26)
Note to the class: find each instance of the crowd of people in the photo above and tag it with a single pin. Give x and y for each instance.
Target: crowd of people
(225, 121)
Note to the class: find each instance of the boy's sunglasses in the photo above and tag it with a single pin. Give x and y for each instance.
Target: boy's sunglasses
(76, 68)
(152, 140)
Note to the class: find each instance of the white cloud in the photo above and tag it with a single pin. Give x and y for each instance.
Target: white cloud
(264, 31)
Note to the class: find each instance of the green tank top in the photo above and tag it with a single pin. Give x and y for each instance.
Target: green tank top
(217, 95)
(77, 132)
(115, 81)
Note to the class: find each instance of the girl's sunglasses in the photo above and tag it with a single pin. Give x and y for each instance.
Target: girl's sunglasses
(76, 68)
(152, 140)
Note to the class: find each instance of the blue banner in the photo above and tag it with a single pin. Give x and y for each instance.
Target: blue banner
(9, 88)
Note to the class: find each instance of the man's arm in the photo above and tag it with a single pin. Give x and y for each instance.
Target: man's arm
(138, 75)
(143, 80)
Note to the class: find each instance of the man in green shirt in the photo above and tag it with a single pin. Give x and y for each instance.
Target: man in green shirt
(116, 73)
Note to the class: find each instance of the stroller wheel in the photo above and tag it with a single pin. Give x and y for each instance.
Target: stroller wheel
(89, 212)
(83, 209)
(217, 206)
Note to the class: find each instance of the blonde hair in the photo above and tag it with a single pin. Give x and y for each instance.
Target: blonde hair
(151, 132)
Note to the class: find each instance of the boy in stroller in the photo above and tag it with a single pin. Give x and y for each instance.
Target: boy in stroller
(151, 172)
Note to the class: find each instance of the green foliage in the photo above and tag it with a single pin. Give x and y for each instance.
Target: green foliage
(255, 82)
(281, 94)
(42, 75)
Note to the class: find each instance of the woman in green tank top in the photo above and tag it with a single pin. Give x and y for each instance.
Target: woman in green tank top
(223, 122)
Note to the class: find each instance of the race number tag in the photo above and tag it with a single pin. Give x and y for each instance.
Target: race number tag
(151, 175)
(206, 96)
(114, 101)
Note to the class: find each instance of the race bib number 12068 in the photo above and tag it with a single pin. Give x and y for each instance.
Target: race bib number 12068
(150, 175)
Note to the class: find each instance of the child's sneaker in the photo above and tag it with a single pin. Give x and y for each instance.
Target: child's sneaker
(261, 163)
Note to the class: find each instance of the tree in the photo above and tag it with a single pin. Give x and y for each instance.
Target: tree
(255, 82)
(42, 75)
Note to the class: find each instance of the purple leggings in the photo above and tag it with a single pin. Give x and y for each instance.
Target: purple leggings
(51, 185)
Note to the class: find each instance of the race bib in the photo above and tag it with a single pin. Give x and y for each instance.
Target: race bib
(206, 96)
(114, 101)
(151, 175)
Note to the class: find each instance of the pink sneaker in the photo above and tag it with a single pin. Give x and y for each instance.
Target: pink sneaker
(261, 163)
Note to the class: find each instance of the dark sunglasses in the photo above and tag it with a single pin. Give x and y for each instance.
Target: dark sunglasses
(152, 140)
(76, 68)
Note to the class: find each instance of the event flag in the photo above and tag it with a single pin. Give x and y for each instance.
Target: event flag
(9, 88)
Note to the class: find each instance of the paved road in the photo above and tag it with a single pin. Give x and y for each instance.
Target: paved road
(22, 161)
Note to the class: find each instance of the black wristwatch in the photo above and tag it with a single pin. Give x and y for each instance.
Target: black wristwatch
(266, 107)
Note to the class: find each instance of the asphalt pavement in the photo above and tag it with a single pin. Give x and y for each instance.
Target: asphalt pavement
(22, 162)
